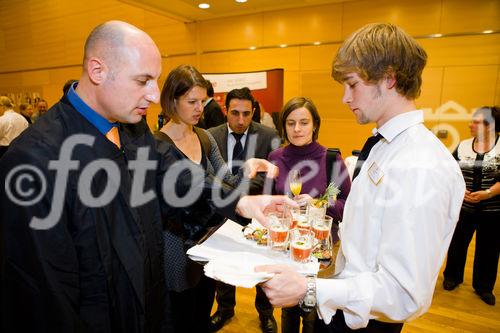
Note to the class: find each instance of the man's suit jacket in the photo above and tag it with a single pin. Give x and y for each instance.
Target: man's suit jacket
(261, 140)
(212, 115)
(98, 268)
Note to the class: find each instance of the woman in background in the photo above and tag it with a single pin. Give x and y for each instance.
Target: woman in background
(300, 123)
(479, 160)
(26, 110)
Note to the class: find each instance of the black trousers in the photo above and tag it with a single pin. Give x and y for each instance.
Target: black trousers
(487, 229)
(190, 309)
(338, 325)
(226, 300)
(290, 320)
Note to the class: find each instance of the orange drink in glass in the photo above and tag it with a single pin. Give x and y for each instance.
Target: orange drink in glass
(301, 245)
(295, 182)
(278, 232)
(322, 234)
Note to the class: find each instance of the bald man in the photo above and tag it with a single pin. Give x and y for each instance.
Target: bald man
(80, 226)
(79, 254)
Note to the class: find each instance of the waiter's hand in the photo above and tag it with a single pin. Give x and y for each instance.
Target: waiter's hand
(256, 206)
(254, 165)
(286, 288)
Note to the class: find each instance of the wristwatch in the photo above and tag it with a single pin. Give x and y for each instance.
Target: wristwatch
(308, 303)
(489, 193)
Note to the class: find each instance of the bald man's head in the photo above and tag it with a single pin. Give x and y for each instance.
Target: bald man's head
(120, 72)
(106, 40)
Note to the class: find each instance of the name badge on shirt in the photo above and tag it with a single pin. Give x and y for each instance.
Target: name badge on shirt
(375, 173)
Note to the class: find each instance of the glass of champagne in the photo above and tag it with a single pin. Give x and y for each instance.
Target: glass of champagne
(295, 182)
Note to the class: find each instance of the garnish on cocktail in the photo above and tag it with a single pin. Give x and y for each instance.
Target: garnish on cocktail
(331, 193)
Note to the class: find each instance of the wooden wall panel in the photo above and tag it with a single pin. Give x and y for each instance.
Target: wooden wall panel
(56, 30)
(470, 86)
(416, 17)
(2, 41)
(242, 61)
(174, 38)
(325, 93)
(317, 57)
(345, 134)
(10, 80)
(81, 28)
(291, 85)
(461, 16)
(463, 50)
(18, 37)
(497, 94)
(60, 76)
(73, 50)
(152, 20)
(115, 10)
(41, 12)
(48, 55)
(432, 86)
(231, 33)
(35, 78)
(17, 59)
(172, 62)
(17, 13)
(303, 25)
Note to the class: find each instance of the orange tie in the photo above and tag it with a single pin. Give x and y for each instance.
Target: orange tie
(114, 136)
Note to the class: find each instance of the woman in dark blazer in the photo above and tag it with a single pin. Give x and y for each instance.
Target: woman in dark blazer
(194, 149)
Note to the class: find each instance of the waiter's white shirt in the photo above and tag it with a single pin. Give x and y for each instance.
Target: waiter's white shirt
(231, 142)
(397, 225)
(11, 125)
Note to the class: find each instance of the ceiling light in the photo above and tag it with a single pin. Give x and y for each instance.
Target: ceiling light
(204, 5)
(317, 43)
(436, 35)
(283, 45)
(252, 47)
(241, 1)
(487, 31)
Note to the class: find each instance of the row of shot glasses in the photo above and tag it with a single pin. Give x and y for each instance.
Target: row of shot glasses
(302, 231)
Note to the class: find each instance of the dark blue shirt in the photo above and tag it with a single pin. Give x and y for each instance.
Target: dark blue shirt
(102, 124)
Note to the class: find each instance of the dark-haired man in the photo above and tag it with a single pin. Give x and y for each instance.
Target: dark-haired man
(212, 115)
(238, 140)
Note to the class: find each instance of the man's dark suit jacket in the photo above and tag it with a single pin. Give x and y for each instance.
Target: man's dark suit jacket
(98, 269)
(261, 140)
(212, 115)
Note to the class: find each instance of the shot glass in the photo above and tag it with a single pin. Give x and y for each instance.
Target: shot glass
(278, 232)
(323, 237)
(301, 245)
(314, 212)
(298, 217)
(322, 228)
